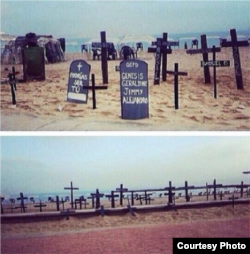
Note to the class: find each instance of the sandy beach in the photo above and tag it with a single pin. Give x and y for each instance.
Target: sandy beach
(145, 233)
(42, 106)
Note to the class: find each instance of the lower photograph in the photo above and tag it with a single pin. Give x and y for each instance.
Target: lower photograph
(124, 194)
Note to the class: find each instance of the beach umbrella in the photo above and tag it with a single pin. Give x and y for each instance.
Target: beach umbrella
(137, 38)
(130, 40)
(114, 40)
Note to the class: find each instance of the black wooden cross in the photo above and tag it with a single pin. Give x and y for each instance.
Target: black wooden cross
(93, 88)
(160, 50)
(130, 208)
(147, 197)
(176, 73)
(112, 196)
(233, 199)
(186, 188)
(93, 200)
(140, 197)
(71, 190)
(170, 194)
(80, 201)
(12, 82)
(84, 201)
(58, 203)
(41, 205)
(103, 45)
(214, 186)
(242, 186)
(165, 51)
(2, 199)
(215, 64)
(204, 51)
(207, 191)
(236, 55)
(22, 198)
(97, 196)
(132, 197)
(121, 190)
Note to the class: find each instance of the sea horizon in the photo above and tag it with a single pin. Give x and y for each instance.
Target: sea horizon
(44, 196)
(73, 44)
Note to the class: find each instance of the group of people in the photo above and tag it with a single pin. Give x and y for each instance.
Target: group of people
(194, 42)
(125, 51)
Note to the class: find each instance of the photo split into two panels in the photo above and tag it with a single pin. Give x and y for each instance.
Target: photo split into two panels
(98, 65)
(124, 124)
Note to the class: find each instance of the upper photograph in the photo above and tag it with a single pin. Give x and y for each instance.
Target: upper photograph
(125, 65)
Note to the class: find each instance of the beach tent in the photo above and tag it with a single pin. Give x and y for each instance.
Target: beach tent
(112, 52)
(6, 53)
(52, 48)
(114, 40)
(131, 40)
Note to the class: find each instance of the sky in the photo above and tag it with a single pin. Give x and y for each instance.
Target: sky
(78, 19)
(45, 164)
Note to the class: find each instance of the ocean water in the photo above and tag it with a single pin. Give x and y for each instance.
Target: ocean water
(73, 45)
(44, 197)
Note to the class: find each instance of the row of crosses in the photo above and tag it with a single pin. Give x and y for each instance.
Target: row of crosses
(169, 191)
(161, 50)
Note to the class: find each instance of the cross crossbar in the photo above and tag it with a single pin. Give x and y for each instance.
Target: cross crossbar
(93, 88)
(227, 44)
(202, 51)
(179, 73)
(97, 196)
(161, 51)
(154, 50)
(176, 73)
(121, 190)
(40, 205)
(102, 45)
(71, 188)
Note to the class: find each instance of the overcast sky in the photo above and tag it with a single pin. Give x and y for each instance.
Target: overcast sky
(87, 18)
(48, 164)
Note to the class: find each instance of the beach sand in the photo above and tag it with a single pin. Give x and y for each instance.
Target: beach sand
(150, 232)
(42, 106)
